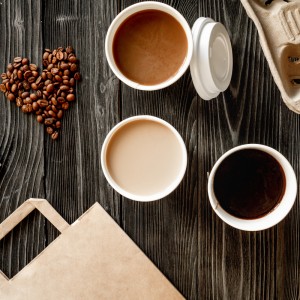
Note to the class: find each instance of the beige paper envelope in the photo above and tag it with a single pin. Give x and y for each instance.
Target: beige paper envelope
(92, 259)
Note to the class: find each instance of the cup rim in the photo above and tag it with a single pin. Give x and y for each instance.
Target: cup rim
(124, 14)
(137, 197)
(273, 217)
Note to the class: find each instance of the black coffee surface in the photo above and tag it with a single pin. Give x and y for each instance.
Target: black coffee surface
(249, 183)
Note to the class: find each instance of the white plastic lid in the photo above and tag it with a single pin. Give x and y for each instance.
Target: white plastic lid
(211, 64)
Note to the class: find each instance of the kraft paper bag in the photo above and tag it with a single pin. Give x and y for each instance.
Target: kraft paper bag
(92, 259)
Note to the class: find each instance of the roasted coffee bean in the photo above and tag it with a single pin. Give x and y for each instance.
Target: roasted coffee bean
(25, 68)
(49, 121)
(49, 130)
(61, 99)
(38, 80)
(11, 97)
(20, 75)
(50, 88)
(71, 97)
(10, 67)
(27, 108)
(69, 49)
(54, 101)
(50, 66)
(58, 124)
(19, 102)
(14, 88)
(66, 82)
(27, 74)
(73, 67)
(48, 81)
(77, 76)
(65, 105)
(33, 67)
(64, 66)
(42, 103)
(39, 94)
(27, 101)
(54, 135)
(40, 85)
(25, 61)
(3, 76)
(46, 114)
(44, 76)
(40, 119)
(53, 107)
(60, 55)
(35, 73)
(60, 114)
(25, 94)
(67, 72)
(17, 65)
(52, 113)
(7, 86)
(26, 85)
(35, 106)
(54, 71)
(34, 86)
(64, 88)
(58, 78)
(18, 59)
(72, 59)
(72, 82)
(50, 58)
(31, 79)
(45, 55)
(2, 88)
(33, 97)
(49, 75)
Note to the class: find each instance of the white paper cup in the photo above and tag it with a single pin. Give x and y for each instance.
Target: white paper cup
(123, 15)
(275, 215)
(144, 198)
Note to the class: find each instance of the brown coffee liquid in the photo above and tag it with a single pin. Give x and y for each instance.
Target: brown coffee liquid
(249, 183)
(144, 157)
(149, 47)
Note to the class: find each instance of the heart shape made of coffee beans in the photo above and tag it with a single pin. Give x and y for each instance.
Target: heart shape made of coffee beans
(46, 94)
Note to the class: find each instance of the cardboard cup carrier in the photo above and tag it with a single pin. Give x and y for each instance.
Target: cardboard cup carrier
(92, 259)
(278, 25)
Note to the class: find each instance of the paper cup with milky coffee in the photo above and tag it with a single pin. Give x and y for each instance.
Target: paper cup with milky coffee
(134, 9)
(144, 158)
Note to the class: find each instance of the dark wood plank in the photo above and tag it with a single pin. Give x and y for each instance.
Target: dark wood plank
(74, 180)
(235, 264)
(21, 138)
(167, 229)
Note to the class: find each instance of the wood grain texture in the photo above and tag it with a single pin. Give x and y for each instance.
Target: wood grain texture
(74, 179)
(21, 139)
(203, 257)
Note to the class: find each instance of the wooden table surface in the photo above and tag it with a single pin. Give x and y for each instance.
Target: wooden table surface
(202, 256)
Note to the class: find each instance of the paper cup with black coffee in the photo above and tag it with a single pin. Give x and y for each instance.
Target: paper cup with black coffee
(252, 187)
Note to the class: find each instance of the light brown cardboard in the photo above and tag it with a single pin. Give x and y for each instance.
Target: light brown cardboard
(278, 25)
(92, 259)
